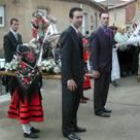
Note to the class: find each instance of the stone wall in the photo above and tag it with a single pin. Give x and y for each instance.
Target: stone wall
(23, 9)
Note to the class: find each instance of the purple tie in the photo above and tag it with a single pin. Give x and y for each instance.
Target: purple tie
(106, 31)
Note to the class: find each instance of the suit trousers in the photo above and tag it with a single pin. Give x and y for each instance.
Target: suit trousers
(70, 104)
(101, 87)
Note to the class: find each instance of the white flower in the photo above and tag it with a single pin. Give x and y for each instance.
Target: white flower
(48, 65)
(56, 70)
(12, 65)
(43, 68)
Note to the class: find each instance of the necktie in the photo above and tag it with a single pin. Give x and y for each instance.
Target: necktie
(16, 36)
(80, 44)
(79, 36)
(106, 31)
(78, 33)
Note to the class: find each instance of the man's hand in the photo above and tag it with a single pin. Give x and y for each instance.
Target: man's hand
(85, 77)
(71, 85)
(96, 74)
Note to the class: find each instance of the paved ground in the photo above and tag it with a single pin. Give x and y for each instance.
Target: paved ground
(124, 123)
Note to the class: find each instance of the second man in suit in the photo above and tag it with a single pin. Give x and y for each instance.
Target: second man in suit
(101, 46)
(11, 40)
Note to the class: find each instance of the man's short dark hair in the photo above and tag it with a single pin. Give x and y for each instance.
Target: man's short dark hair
(71, 13)
(103, 12)
(13, 19)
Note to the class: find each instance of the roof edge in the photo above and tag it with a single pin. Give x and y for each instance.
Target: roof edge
(88, 2)
(122, 4)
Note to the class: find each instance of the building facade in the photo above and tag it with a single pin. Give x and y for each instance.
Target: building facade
(122, 15)
(23, 9)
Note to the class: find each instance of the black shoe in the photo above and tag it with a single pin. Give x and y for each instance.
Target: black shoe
(115, 84)
(124, 74)
(107, 110)
(31, 135)
(83, 101)
(72, 136)
(85, 98)
(79, 130)
(103, 114)
(34, 130)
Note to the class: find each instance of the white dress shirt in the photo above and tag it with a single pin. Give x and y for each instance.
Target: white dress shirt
(14, 33)
(76, 30)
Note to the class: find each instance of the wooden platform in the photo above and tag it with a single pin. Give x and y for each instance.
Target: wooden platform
(45, 76)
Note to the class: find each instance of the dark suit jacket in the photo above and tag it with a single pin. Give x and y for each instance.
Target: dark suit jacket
(71, 56)
(101, 50)
(10, 44)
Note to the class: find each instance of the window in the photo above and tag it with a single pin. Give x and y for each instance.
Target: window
(115, 16)
(96, 20)
(85, 23)
(2, 14)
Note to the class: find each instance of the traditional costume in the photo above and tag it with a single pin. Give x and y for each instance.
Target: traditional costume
(26, 100)
(86, 83)
(115, 73)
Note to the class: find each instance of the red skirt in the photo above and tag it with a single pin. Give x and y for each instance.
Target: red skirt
(26, 112)
(86, 83)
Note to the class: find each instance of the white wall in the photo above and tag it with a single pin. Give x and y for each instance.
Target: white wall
(118, 17)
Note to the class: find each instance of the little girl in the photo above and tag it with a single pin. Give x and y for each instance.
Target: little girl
(86, 83)
(26, 105)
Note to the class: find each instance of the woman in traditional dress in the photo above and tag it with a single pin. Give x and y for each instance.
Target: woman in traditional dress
(86, 83)
(26, 105)
(115, 73)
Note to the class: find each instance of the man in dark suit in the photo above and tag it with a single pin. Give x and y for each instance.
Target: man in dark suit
(11, 40)
(72, 74)
(101, 55)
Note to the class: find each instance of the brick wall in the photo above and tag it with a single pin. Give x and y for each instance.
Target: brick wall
(130, 12)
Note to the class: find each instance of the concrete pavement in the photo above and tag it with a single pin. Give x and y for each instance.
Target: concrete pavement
(124, 123)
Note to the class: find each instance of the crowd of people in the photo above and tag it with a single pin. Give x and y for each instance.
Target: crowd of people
(102, 53)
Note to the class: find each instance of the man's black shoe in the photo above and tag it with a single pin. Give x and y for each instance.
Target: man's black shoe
(34, 130)
(31, 135)
(72, 136)
(115, 84)
(103, 114)
(107, 110)
(79, 130)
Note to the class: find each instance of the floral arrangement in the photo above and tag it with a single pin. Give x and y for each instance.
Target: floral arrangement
(50, 66)
(26, 75)
(12, 65)
(59, 63)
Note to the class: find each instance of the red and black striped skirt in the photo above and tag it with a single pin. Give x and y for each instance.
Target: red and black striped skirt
(86, 83)
(24, 111)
